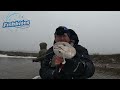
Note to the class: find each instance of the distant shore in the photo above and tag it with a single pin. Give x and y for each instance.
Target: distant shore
(23, 53)
(6, 56)
(96, 58)
(18, 53)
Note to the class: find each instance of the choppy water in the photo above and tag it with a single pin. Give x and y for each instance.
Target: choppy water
(18, 68)
(24, 68)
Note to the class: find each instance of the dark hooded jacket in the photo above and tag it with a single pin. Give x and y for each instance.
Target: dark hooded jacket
(79, 67)
(42, 52)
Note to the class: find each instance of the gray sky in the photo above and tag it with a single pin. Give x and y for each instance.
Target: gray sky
(98, 31)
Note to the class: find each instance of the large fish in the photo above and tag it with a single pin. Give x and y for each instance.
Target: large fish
(64, 49)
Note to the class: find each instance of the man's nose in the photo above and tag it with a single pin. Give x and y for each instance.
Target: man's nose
(61, 38)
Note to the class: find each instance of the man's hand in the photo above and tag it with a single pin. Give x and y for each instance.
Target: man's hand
(35, 60)
(58, 60)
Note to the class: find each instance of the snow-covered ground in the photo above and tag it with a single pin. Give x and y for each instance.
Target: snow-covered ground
(1, 55)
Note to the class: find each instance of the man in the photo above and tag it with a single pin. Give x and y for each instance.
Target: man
(78, 67)
(42, 53)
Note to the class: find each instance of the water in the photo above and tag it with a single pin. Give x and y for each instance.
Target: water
(24, 68)
(18, 68)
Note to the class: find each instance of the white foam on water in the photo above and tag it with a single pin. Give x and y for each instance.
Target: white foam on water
(36, 77)
(1, 55)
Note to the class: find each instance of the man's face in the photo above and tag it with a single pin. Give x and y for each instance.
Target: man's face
(62, 38)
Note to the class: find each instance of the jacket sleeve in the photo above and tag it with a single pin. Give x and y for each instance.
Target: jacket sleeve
(80, 66)
(46, 72)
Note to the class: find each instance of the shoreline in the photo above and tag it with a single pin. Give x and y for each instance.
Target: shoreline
(6, 56)
(18, 53)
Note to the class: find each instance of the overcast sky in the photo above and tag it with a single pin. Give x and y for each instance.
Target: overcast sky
(98, 31)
